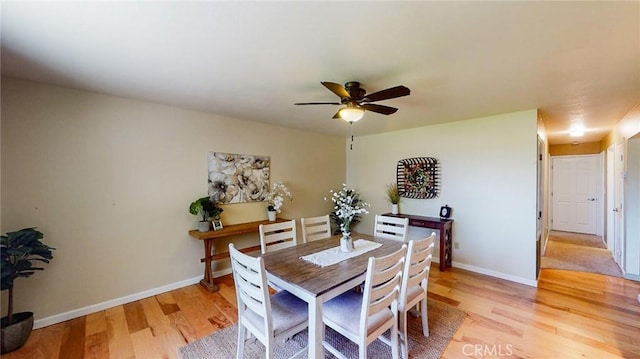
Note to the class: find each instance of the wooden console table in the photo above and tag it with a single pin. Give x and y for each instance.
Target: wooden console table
(444, 225)
(208, 238)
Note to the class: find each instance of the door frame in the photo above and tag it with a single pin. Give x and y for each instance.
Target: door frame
(618, 195)
(539, 204)
(600, 226)
(609, 213)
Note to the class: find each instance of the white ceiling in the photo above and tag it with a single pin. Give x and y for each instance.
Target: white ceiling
(575, 61)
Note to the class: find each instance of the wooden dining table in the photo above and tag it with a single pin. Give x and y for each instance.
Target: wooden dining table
(315, 284)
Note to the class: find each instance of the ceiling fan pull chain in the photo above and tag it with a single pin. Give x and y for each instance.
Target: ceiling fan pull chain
(351, 145)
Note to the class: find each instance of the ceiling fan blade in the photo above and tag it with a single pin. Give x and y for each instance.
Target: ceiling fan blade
(317, 103)
(337, 115)
(392, 92)
(385, 110)
(336, 89)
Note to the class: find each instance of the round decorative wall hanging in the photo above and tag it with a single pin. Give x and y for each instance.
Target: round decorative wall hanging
(418, 177)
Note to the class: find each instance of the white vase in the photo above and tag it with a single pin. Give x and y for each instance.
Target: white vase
(204, 226)
(271, 215)
(394, 209)
(346, 243)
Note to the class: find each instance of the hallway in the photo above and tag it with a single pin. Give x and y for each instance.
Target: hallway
(579, 252)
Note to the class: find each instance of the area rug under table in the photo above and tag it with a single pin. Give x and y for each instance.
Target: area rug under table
(444, 320)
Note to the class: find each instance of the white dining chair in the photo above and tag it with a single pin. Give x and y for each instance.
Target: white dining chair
(270, 319)
(391, 227)
(413, 290)
(274, 236)
(364, 317)
(314, 228)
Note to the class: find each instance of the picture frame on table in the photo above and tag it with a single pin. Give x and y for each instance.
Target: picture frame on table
(217, 224)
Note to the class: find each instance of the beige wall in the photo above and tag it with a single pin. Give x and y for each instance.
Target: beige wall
(109, 181)
(488, 168)
(567, 149)
(628, 127)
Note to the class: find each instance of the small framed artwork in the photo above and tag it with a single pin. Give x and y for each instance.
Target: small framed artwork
(217, 224)
(418, 177)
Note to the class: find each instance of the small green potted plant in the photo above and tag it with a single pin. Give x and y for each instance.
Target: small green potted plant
(207, 209)
(393, 196)
(20, 250)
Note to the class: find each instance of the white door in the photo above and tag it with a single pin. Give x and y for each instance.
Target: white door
(618, 222)
(575, 193)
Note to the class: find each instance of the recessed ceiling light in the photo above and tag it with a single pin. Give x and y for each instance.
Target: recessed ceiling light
(577, 130)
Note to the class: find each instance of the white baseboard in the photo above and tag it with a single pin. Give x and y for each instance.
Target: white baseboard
(491, 273)
(221, 272)
(58, 318)
(630, 276)
(72, 314)
(509, 277)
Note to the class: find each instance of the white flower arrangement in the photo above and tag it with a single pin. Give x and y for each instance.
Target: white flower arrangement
(347, 206)
(277, 195)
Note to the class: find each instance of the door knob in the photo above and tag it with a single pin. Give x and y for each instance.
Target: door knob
(615, 210)
(591, 199)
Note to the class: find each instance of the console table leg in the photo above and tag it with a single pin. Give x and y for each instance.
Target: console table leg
(446, 245)
(443, 250)
(444, 225)
(207, 281)
(449, 245)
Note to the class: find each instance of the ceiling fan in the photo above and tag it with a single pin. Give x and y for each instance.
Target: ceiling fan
(357, 101)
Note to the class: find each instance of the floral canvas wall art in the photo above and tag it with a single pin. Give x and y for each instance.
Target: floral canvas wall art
(237, 178)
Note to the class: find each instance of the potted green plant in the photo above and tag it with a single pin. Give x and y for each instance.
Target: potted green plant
(393, 196)
(20, 250)
(207, 209)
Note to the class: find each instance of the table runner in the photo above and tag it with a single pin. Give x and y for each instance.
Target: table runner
(334, 255)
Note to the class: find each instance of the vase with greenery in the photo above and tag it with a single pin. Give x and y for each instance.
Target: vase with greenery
(20, 251)
(207, 208)
(393, 196)
(347, 207)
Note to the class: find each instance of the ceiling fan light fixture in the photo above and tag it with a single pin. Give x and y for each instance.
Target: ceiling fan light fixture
(357, 101)
(351, 114)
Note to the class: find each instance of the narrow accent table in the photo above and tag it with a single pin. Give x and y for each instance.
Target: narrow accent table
(444, 225)
(208, 238)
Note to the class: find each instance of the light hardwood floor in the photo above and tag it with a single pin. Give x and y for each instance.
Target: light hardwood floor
(570, 315)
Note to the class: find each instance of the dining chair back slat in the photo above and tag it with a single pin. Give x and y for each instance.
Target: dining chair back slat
(391, 227)
(314, 228)
(252, 292)
(274, 236)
